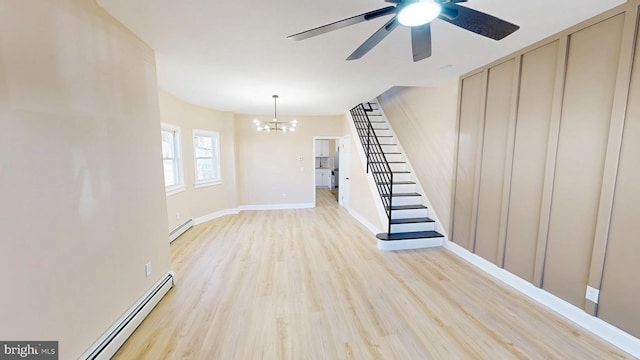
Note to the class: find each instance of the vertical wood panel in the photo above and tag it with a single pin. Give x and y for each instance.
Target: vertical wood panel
(499, 94)
(588, 97)
(537, 83)
(612, 159)
(620, 289)
(550, 167)
(469, 138)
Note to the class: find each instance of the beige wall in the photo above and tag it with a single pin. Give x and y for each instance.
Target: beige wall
(196, 202)
(423, 119)
(557, 155)
(363, 200)
(268, 169)
(81, 175)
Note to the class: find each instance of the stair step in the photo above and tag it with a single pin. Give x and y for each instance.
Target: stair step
(408, 235)
(395, 172)
(408, 207)
(403, 194)
(398, 183)
(411, 220)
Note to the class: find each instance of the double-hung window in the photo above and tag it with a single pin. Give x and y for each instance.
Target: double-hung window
(206, 150)
(172, 159)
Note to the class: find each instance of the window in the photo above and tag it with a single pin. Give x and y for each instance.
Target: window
(172, 159)
(206, 150)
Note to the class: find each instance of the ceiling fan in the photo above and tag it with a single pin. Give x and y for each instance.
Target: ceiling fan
(418, 14)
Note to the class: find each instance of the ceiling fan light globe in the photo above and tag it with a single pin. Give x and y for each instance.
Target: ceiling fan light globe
(419, 13)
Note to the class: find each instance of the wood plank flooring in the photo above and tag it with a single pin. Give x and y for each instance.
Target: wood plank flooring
(310, 284)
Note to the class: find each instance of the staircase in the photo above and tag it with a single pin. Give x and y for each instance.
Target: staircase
(409, 225)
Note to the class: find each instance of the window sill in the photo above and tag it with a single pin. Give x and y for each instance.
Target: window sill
(207, 183)
(172, 190)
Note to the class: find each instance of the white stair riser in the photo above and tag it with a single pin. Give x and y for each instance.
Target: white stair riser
(412, 213)
(379, 125)
(402, 177)
(406, 200)
(394, 157)
(383, 132)
(397, 166)
(410, 244)
(399, 228)
(386, 140)
(393, 166)
(389, 148)
(404, 188)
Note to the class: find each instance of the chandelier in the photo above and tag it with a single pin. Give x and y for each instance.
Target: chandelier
(275, 125)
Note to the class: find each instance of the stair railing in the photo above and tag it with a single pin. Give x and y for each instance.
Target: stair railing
(376, 160)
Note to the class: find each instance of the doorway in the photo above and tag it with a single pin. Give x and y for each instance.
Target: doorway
(329, 159)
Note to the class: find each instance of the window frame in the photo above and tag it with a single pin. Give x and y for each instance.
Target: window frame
(177, 144)
(215, 136)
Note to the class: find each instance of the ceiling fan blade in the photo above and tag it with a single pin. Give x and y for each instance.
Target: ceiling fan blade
(344, 23)
(477, 22)
(421, 42)
(374, 39)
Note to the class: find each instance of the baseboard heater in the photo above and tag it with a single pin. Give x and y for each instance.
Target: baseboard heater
(113, 339)
(173, 234)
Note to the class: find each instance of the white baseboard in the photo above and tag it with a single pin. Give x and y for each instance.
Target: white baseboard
(113, 338)
(598, 327)
(277, 206)
(410, 244)
(215, 215)
(374, 229)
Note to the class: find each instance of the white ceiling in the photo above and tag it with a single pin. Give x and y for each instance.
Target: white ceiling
(233, 55)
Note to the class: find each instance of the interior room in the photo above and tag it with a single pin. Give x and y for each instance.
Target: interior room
(325, 180)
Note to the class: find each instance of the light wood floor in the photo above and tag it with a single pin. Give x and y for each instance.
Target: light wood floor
(310, 284)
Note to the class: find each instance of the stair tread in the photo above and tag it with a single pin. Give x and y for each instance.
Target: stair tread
(403, 194)
(408, 235)
(408, 207)
(390, 162)
(395, 172)
(411, 220)
(398, 182)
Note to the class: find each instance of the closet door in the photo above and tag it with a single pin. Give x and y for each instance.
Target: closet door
(592, 65)
(494, 150)
(469, 139)
(537, 80)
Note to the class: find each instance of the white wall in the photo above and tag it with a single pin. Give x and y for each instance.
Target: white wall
(197, 202)
(80, 172)
(424, 120)
(269, 172)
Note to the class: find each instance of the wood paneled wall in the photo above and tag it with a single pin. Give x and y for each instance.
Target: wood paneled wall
(547, 173)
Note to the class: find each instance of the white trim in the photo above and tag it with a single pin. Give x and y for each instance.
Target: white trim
(598, 327)
(215, 215)
(207, 183)
(374, 229)
(179, 187)
(277, 206)
(215, 136)
(410, 244)
(117, 332)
